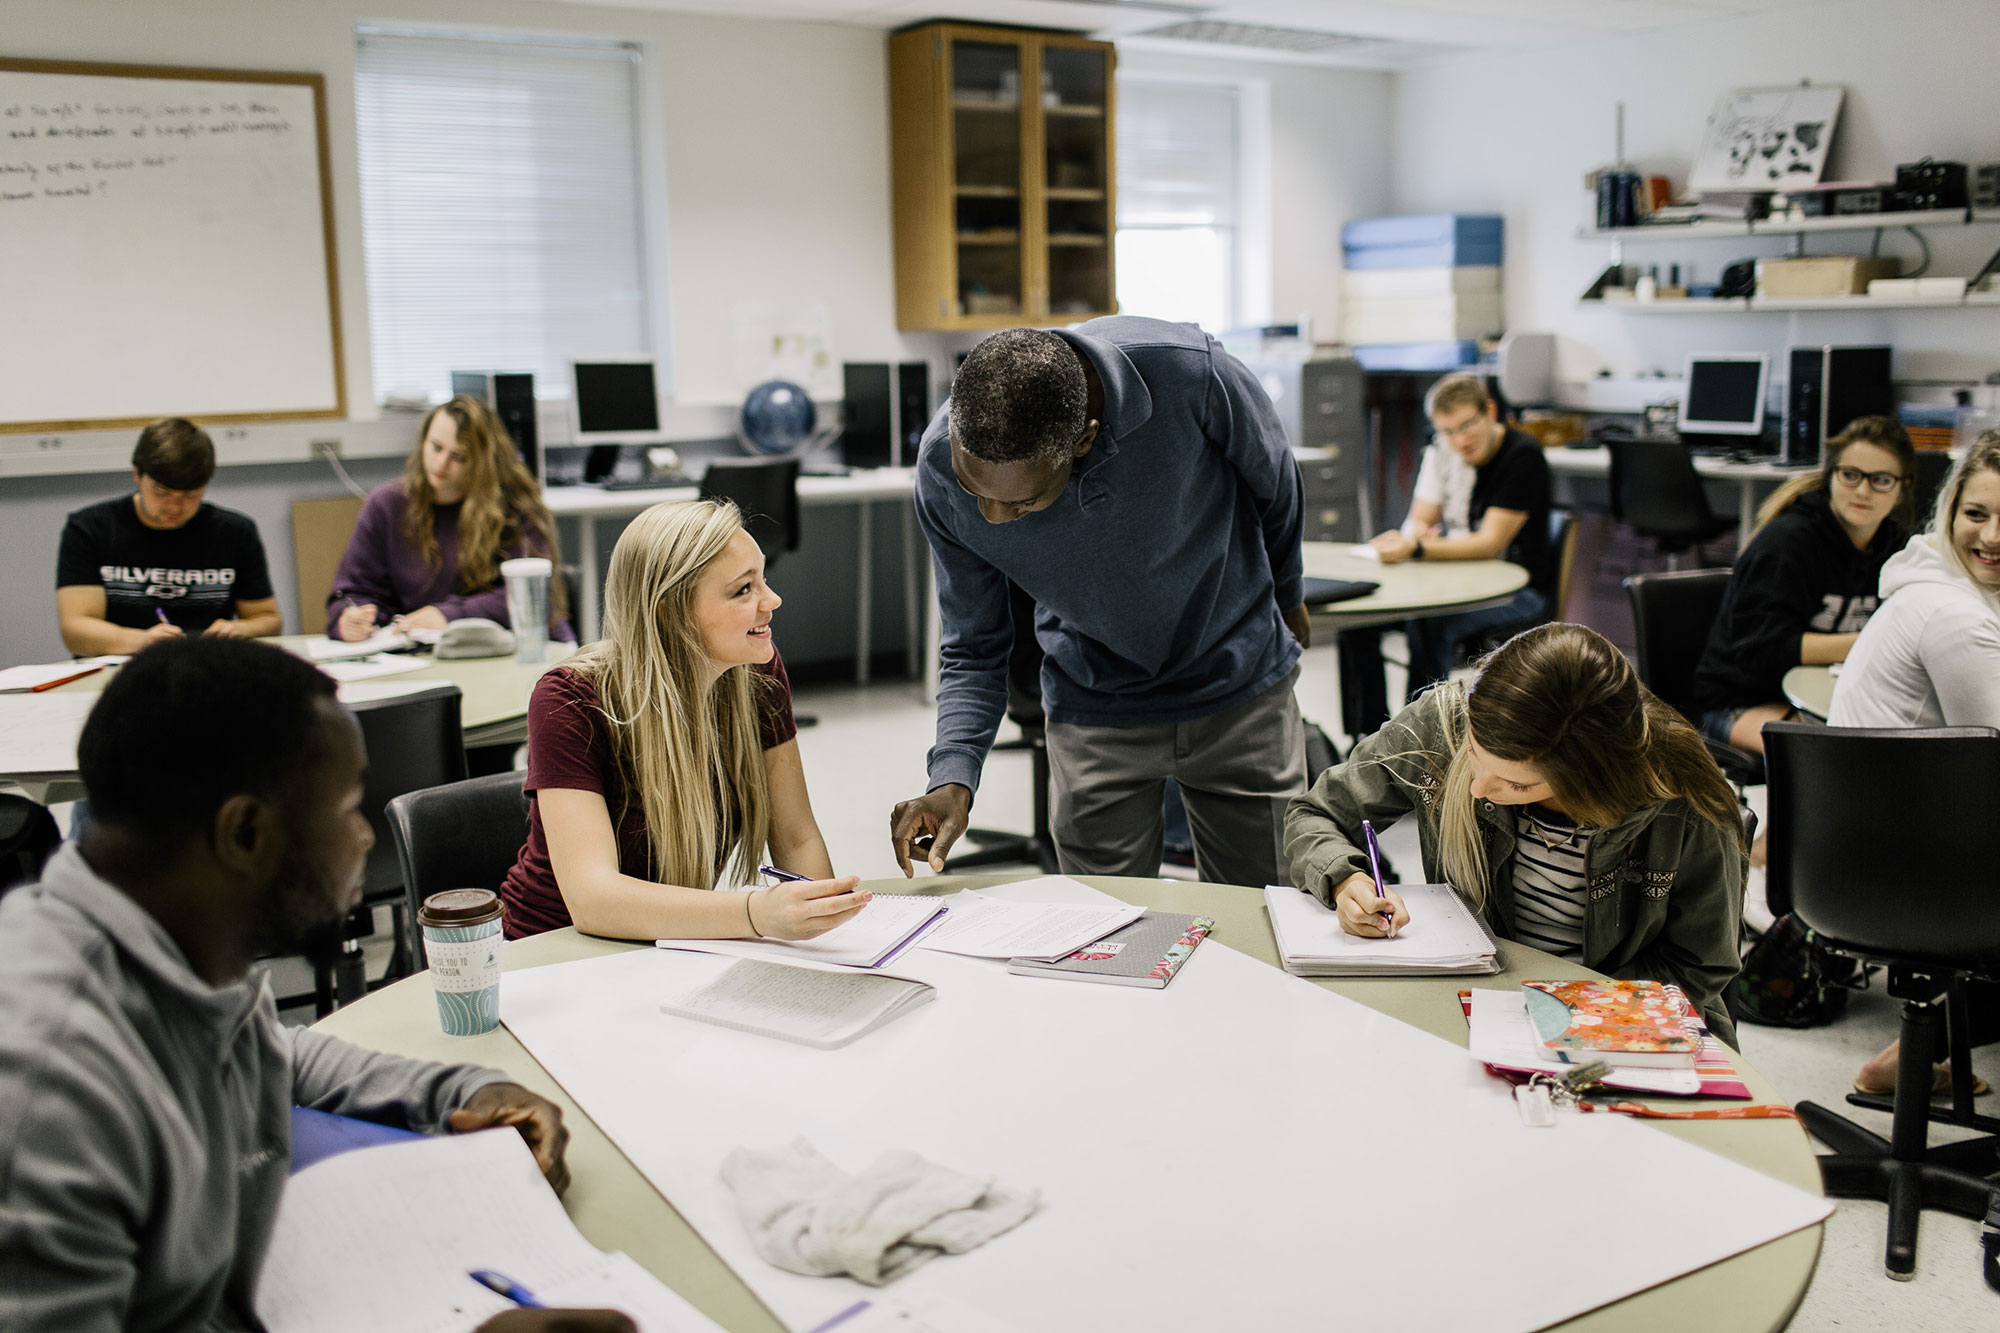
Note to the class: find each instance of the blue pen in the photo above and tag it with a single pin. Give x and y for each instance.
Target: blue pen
(502, 1285)
(784, 876)
(1375, 870)
(162, 614)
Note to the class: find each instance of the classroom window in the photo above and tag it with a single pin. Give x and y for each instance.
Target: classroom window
(1178, 206)
(500, 206)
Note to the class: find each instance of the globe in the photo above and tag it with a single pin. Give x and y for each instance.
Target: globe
(778, 417)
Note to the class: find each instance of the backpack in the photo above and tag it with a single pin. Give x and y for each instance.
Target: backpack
(1790, 980)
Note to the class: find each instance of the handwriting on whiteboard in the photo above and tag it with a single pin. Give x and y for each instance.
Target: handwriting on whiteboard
(76, 150)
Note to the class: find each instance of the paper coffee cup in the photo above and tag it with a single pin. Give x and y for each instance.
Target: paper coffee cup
(462, 945)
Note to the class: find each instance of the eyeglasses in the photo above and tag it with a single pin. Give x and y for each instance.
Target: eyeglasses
(1877, 481)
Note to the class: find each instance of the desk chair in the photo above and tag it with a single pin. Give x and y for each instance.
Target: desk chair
(1553, 585)
(463, 835)
(1671, 616)
(28, 838)
(1933, 466)
(1024, 708)
(413, 741)
(1656, 492)
(1833, 791)
(767, 491)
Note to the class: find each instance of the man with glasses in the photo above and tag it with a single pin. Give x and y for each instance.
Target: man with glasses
(1481, 494)
(1131, 478)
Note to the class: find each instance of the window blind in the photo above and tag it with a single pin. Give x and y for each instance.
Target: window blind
(500, 206)
(1177, 201)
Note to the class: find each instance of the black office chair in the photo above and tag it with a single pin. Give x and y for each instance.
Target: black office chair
(1933, 466)
(1553, 585)
(464, 835)
(993, 847)
(1842, 800)
(767, 491)
(1656, 492)
(1671, 617)
(413, 741)
(28, 838)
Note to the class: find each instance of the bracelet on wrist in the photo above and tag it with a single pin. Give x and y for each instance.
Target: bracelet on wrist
(748, 919)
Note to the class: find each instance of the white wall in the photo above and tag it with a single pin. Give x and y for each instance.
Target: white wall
(1515, 134)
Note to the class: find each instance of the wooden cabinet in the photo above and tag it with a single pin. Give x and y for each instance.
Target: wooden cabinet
(1004, 171)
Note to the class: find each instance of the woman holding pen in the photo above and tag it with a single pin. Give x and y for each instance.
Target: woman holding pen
(427, 548)
(1577, 812)
(665, 757)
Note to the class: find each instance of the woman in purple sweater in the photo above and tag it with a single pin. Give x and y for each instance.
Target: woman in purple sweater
(427, 549)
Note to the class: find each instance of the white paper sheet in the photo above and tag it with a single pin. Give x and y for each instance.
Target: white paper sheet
(877, 933)
(1500, 1034)
(332, 650)
(366, 668)
(38, 732)
(1160, 1126)
(363, 691)
(1442, 934)
(983, 927)
(16, 679)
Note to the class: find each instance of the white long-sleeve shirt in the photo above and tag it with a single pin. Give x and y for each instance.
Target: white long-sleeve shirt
(1930, 655)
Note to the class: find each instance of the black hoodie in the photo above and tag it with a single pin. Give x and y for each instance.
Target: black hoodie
(1800, 575)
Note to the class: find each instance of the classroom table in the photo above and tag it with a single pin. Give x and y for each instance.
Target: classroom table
(493, 709)
(1810, 690)
(1411, 589)
(860, 488)
(1750, 478)
(617, 1208)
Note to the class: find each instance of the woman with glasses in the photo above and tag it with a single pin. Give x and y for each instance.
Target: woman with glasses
(1806, 583)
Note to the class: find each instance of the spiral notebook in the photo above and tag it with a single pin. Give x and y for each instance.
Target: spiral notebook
(1444, 936)
(1149, 952)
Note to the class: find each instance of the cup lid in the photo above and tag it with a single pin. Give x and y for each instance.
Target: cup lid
(525, 566)
(459, 907)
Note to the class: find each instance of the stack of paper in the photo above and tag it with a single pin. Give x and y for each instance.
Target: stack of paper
(889, 924)
(1443, 937)
(815, 1004)
(983, 927)
(35, 679)
(416, 1218)
(375, 664)
(1500, 1034)
(332, 650)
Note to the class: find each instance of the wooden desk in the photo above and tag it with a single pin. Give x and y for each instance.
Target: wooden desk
(493, 710)
(617, 1208)
(1411, 589)
(861, 488)
(1750, 478)
(1810, 690)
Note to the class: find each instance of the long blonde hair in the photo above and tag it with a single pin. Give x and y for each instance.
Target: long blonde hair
(503, 503)
(1983, 456)
(1564, 699)
(689, 753)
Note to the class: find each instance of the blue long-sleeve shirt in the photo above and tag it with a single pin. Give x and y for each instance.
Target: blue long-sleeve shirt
(1159, 573)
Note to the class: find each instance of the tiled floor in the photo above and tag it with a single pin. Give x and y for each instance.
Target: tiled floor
(868, 752)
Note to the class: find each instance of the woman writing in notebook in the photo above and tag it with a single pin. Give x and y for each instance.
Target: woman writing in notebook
(1577, 812)
(666, 755)
(427, 549)
(1930, 657)
(1806, 583)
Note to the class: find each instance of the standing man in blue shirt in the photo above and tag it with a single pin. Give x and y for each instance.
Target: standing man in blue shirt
(1132, 478)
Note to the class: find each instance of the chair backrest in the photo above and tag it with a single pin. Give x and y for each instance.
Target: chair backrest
(28, 838)
(413, 741)
(1656, 492)
(1671, 617)
(1561, 562)
(1933, 466)
(767, 491)
(1881, 841)
(465, 835)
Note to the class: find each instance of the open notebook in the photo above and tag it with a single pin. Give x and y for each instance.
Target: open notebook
(1444, 937)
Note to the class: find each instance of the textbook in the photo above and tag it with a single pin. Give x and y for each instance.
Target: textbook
(1634, 1023)
(1149, 952)
(823, 1006)
(1502, 1039)
(415, 1218)
(1444, 937)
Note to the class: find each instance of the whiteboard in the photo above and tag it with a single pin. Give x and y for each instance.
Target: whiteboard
(166, 247)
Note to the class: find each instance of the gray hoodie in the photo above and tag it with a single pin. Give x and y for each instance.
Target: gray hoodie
(1930, 655)
(145, 1121)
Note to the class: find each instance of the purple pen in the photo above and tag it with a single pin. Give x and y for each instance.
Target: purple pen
(1375, 871)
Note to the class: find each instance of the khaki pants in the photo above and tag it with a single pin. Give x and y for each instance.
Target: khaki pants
(1237, 771)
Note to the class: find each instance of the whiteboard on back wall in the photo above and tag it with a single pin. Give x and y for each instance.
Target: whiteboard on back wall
(166, 247)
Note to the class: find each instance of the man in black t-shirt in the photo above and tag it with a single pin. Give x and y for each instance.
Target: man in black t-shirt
(1508, 519)
(159, 563)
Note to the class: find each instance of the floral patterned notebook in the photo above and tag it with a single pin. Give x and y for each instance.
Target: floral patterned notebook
(1625, 1022)
(1146, 953)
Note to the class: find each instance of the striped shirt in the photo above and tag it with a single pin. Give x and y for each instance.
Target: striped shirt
(1549, 883)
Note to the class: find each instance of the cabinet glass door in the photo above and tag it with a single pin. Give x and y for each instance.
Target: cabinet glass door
(986, 173)
(1076, 110)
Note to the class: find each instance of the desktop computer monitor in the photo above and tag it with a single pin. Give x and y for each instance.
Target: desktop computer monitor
(614, 402)
(1725, 395)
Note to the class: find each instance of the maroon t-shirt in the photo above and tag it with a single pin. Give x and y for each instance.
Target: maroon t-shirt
(569, 746)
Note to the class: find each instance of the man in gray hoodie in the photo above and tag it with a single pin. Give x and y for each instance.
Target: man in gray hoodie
(146, 1084)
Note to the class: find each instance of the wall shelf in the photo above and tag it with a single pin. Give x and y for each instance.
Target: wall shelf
(1690, 231)
(1773, 305)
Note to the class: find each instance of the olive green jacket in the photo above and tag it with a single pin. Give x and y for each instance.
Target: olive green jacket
(1665, 885)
